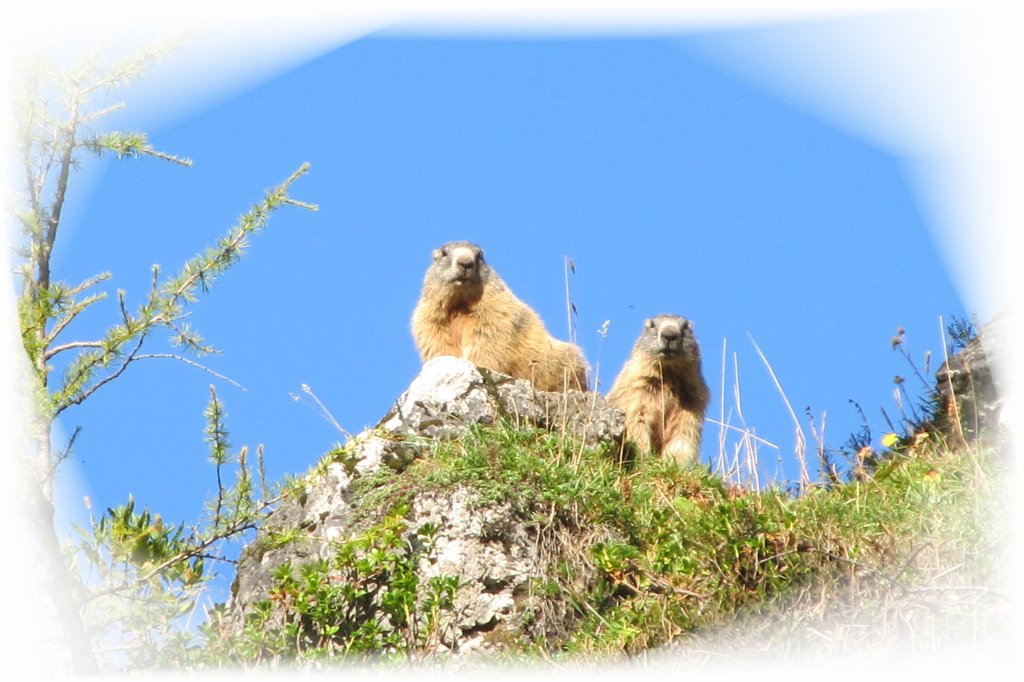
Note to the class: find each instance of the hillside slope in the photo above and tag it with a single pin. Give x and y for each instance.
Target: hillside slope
(483, 523)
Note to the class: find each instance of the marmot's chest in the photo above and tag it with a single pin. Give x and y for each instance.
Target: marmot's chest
(659, 390)
(662, 398)
(459, 325)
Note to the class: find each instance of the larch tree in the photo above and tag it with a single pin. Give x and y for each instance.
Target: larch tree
(56, 129)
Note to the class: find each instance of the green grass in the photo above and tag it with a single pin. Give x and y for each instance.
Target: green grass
(658, 554)
(529, 469)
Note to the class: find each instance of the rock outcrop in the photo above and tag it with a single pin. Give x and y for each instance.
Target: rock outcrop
(491, 552)
(969, 390)
(501, 558)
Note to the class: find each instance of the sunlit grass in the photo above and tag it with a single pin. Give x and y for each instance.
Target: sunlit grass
(898, 552)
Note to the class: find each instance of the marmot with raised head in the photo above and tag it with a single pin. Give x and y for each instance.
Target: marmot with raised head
(466, 310)
(662, 391)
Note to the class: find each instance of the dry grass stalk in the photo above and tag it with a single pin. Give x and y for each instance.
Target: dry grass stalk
(801, 440)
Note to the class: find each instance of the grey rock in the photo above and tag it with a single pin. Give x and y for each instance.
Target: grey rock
(450, 394)
(970, 386)
(484, 545)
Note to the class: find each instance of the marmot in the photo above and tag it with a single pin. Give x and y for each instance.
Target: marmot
(662, 391)
(466, 310)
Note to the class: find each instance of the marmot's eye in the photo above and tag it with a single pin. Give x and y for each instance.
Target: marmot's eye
(649, 323)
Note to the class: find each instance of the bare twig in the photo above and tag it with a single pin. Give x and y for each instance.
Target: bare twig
(745, 431)
(570, 307)
(324, 412)
(949, 382)
(70, 315)
(71, 346)
(84, 395)
(179, 358)
(801, 440)
(721, 414)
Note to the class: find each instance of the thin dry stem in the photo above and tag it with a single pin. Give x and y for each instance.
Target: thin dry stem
(179, 358)
(949, 382)
(324, 412)
(800, 447)
(721, 413)
(569, 307)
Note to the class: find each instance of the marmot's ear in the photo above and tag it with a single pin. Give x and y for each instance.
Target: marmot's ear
(649, 323)
(687, 325)
(440, 253)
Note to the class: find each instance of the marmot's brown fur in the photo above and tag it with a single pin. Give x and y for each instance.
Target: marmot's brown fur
(466, 310)
(662, 391)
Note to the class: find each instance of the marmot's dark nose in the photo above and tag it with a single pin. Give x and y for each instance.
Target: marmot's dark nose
(465, 261)
(670, 332)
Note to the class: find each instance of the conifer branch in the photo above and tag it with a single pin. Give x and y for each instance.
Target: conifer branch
(217, 439)
(53, 119)
(79, 396)
(70, 346)
(237, 526)
(132, 68)
(102, 112)
(52, 220)
(88, 283)
(68, 447)
(129, 145)
(164, 306)
(179, 358)
(203, 269)
(68, 316)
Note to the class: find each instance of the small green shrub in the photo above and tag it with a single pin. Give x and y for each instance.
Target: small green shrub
(366, 602)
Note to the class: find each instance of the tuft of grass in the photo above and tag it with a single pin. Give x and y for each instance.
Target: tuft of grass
(901, 555)
(531, 469)
(657, 554)
(904, 562)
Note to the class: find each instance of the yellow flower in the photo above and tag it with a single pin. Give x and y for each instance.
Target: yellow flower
(890, 440)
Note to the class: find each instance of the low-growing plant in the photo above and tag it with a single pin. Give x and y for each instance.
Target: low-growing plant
(633, 558)
(364, 602)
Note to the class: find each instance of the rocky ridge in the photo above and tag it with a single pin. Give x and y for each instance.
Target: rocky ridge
(492, 553)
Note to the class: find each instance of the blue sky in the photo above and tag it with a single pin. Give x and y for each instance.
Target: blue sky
(682, 171)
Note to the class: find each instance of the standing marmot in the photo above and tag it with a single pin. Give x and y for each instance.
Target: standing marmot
(466, 310)
(662, 391)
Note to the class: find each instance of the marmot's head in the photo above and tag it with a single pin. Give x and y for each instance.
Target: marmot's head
(460, 268)
(669, 337)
